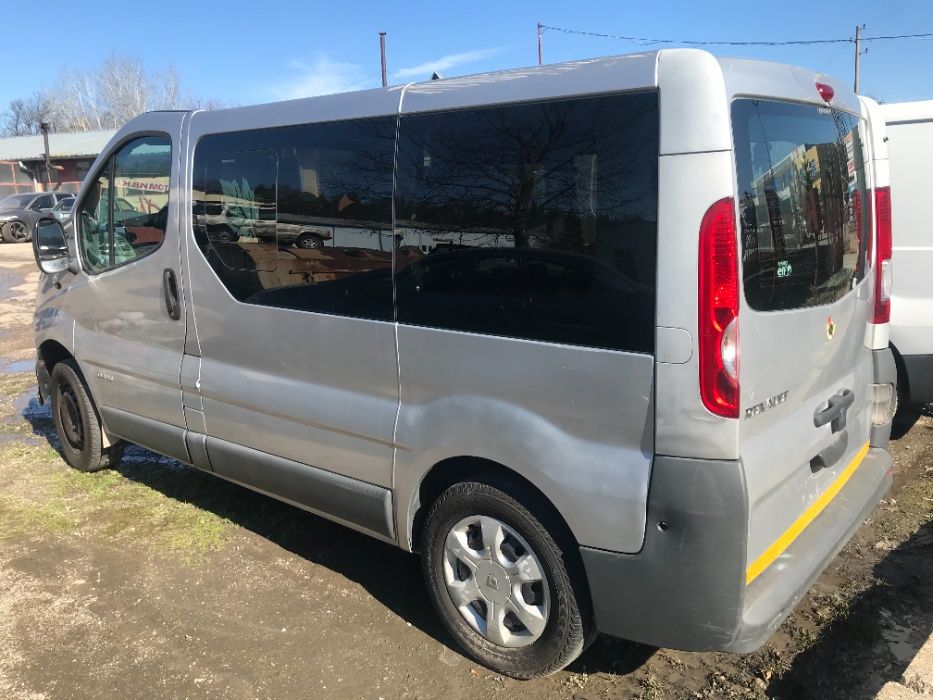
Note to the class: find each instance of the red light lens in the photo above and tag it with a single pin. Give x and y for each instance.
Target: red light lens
(882, 312)
(826, 91)
(718, 310)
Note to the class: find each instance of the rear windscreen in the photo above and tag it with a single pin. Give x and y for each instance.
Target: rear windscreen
(802, 201)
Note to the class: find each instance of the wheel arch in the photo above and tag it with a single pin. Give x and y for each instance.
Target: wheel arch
(903, 380)
(453, 470)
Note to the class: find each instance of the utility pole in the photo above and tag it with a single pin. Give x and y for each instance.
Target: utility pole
(858, 52)
(382, 53)
(44, 128)
(540, 50)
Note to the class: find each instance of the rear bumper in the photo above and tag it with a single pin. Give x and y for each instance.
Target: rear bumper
(686, 588)
(919, 370)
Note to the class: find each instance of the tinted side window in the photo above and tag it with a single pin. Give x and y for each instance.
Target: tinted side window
(125, 213)
(803, 203)
(300, 217)
(534, 221)
(46, 201)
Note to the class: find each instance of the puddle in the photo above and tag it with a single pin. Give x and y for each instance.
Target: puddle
(43, 430)
(17, 366)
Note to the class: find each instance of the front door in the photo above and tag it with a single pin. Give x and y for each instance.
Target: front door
(128, 309)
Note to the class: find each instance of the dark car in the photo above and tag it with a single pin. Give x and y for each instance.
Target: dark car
(19, 213)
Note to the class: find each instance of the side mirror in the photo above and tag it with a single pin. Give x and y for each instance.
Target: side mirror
(50, 247)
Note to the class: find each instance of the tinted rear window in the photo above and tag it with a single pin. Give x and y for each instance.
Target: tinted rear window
(534, 221)
(802, 201)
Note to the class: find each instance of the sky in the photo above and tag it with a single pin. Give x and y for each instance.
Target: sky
(243, 53)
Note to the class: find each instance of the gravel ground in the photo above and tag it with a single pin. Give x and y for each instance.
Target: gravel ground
(156, 580)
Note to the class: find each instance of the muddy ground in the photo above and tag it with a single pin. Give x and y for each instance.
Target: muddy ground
(156, 580)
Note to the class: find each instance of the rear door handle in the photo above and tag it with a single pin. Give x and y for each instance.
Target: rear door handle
(170, 291)
(835, 412)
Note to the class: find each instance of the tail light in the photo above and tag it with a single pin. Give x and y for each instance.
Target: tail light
(719, 310)
(883, 278)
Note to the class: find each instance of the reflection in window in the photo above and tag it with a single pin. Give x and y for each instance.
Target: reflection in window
(800, 172)
(534, 221)
(125, 213)
(300, 217)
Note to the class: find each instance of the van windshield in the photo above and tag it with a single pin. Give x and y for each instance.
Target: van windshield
(802, 201)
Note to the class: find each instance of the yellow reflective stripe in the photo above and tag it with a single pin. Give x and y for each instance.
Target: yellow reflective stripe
(800, 524)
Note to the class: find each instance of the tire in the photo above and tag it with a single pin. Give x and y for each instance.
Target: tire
(559, 597)
(17, 232)
(309, 241)
(77, 423)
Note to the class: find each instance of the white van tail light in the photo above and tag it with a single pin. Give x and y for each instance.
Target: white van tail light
(719, 310)
(883, 273)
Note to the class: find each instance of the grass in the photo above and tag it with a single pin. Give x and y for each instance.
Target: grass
(41, 496)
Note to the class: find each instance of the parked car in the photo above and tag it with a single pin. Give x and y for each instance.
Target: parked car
(19, 213)
(599, 357)
(910, 147)
(62, 210)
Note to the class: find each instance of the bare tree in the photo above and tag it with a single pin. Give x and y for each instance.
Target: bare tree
(25, 115)
(105, 97)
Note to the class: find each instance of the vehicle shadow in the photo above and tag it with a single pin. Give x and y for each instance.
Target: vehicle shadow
(874, 639)
(320, 542)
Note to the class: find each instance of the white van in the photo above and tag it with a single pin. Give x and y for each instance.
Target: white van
(910, 150)
(594, 338)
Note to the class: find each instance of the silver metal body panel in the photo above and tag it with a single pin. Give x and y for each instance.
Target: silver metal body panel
(576, 422)
(789, 351)
(308, 387)
(127, 346)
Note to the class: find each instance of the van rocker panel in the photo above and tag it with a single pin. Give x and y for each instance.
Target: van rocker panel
(687, 589)
(154, 435)
(355, 503)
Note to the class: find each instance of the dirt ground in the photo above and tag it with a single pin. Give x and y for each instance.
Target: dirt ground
(156, 580)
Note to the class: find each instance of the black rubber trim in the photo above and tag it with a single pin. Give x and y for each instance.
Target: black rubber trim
(354, 502)
(159, 437)
(197, 448)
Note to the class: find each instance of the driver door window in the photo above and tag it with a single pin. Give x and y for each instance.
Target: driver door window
(46, 201)
(125, 213)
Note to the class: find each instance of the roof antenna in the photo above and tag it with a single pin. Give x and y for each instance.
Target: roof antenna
(437, 76)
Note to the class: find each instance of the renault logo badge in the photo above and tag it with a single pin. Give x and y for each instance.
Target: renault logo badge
(830, 328)
(492, 583)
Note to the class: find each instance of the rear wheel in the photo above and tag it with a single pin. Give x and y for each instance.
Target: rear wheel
(77, 423)
(504, 588)
(309, 241)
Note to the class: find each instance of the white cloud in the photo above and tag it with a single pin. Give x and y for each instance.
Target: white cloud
(322, 76)
(424, 70)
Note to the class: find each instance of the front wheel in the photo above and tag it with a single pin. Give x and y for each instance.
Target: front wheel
(77, 423)
(504, 588)
(16, 232)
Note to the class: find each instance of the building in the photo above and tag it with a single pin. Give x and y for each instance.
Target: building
(22, 161)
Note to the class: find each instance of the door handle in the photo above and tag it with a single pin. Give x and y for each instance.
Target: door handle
(170, 291)
(835, 412)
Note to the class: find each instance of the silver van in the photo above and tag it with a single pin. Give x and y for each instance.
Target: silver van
(593, 338)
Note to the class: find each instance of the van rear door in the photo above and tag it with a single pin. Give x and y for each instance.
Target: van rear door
(804, 213)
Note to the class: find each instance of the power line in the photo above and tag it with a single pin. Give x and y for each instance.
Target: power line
(796, 42)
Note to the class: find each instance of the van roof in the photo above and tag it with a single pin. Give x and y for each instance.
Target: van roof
(899, 112)
(588, 76)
